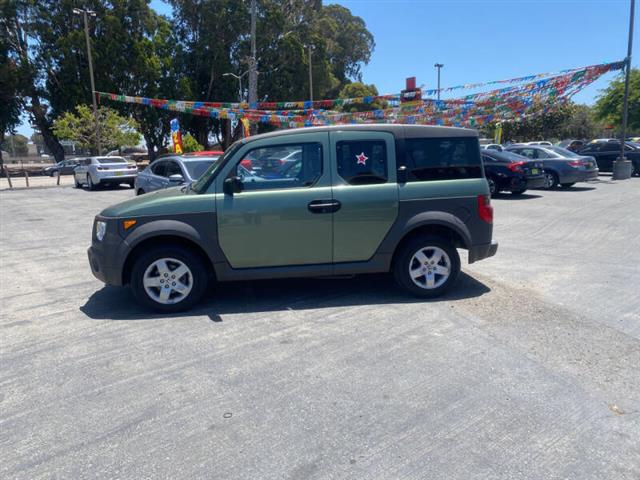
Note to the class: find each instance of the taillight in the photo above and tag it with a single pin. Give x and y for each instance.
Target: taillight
(516, 167)
(485, 210)
(575, 163)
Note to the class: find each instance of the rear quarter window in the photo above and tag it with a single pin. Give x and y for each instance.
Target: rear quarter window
(443, 158)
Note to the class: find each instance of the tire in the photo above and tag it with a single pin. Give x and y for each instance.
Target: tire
(567, 185)
(493, 187)
(429, 246)
(518, 192)
(90, 184)
(551, 180)
(146, 270)
(140, 192)
(76, 183)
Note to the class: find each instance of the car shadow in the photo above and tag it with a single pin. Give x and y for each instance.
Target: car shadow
(511, 197)
(117, 303)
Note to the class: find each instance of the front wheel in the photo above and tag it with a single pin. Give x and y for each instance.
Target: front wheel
(169, 278)
(427, 266)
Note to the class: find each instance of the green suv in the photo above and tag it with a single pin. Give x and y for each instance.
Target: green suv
(313, 202)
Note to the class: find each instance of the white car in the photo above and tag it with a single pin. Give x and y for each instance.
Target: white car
(542, 143)
(492, 146)
(95, 171)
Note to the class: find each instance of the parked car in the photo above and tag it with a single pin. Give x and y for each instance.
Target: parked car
(606, 151)
(572, 145)
(543, 143)
(65, 167)
(561, 167)
(366, 199)
(511, 172)
(172, 171)
(98, 171)
(493, 146)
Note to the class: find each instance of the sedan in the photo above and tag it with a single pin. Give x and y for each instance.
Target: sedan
(511, 172)
(561, 166)
(606, 151)
(65, 167)
(98, 171)
(172, 171)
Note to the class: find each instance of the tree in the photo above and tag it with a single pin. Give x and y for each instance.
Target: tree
(357, 89)
(9, 80)
(16, 145)
(190, 144)
(115, 131)
(609, 104)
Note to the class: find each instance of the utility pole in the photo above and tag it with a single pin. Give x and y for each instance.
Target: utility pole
(310, 76)
(439, 66)
(622, 167)
(85, 14)
(253, 64)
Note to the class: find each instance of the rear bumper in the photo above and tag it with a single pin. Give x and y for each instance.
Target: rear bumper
(116, 178)
(480, 252)
(579, 176)
(535, 182)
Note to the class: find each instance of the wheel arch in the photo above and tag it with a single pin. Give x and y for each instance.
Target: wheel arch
(183, 237)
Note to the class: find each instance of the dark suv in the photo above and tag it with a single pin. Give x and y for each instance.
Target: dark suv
(355, 199)
(607, 151)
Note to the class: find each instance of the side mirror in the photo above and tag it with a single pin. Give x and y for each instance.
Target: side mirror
(232, 185)
(402, 174)
(176, 178)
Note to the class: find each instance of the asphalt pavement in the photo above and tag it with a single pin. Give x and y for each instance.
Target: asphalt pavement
(529, 369)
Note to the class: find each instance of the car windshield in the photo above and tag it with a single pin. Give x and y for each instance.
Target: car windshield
(196, 168)
(111, 160)
(201, 185)
(563, 151)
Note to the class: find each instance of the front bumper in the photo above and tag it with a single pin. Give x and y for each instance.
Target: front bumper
(480, 252)
(106, 258)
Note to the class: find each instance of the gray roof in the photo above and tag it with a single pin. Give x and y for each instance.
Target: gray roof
(399, 130)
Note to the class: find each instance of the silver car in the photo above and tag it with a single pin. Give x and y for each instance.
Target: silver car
(171, 171)
(98, 171)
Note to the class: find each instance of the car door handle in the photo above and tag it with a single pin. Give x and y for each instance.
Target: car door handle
(324, 206)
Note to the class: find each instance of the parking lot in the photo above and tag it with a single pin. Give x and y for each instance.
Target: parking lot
(529, 369)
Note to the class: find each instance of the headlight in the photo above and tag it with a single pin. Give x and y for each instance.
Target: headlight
(101, 229)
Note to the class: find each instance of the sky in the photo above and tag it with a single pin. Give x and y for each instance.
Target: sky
(484, 40)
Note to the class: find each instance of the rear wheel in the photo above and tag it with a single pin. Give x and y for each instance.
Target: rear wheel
(140, 192)
(567, 185)
(550, 180)
(427, 266)
(90, 184)
(168, 278)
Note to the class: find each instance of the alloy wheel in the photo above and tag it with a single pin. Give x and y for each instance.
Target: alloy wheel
(430, 267)
(167, 281)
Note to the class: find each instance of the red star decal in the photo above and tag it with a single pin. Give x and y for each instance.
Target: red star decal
(362, 159)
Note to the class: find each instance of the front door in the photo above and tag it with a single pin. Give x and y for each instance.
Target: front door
(364, 178)
(283, 215)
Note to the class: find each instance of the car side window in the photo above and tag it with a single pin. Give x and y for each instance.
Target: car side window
(362, 162)
(527, 152)
(541, 154)
(172, 168)
(279, 166)
(159, 168)
(443, 158)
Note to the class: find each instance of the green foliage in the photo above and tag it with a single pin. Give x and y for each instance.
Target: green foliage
(610, 102)
(16, 145)
(115, 131)
(190, 144)
(357, 89)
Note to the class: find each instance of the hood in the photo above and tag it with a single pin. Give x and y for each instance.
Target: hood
(170, 201)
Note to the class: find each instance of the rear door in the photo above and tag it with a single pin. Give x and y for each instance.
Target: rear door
(363, 168)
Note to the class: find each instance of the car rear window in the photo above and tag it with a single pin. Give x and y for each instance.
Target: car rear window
(111, 160)
(443, 158)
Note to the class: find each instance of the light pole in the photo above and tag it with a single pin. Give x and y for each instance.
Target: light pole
(439, 66)
(239, 78)
(85, 14)
(622, 167)
(310, 75)
(253, 63)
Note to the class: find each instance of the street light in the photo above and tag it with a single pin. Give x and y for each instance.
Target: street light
(239, 78)
(439, 66)
(85, 14)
